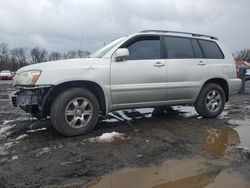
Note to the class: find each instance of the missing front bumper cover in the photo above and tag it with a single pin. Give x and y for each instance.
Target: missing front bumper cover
(25, 98)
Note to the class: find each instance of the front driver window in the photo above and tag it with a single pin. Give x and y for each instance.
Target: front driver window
(146, 48)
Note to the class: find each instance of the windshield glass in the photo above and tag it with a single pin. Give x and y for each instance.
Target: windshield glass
(101, 52)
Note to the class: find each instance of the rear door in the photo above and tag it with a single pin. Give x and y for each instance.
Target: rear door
(186, 68)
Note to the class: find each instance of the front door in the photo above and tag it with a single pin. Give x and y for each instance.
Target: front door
(141, 79)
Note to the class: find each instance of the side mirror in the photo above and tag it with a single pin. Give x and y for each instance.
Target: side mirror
(121, 54)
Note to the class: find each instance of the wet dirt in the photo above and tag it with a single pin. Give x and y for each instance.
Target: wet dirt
(174, 147)
(186, 173)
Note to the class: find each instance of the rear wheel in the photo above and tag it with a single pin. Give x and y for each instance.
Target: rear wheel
(211, 101)
(74, 112)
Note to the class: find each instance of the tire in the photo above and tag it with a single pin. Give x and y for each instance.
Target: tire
(208, 98)
(74, 112)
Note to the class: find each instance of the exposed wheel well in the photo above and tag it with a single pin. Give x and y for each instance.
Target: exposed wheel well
(56, 90)
(221, 82)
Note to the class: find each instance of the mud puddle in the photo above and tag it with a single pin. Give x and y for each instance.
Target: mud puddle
(195, 172)
(220, 140)
(243, 129)
(244, 132)
(186, 173)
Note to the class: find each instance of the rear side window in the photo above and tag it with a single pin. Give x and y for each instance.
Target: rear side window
(178, 48)
(211, 50)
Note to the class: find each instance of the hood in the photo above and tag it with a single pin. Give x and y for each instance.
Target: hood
(61, 63)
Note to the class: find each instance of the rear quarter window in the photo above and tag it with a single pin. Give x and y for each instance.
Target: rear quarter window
(211, 50)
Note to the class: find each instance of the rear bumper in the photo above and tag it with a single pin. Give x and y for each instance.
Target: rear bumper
(234, 86)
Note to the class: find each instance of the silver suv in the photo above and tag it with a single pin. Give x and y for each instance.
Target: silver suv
(147, 69)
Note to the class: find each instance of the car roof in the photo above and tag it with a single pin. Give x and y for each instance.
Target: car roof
(178, 33)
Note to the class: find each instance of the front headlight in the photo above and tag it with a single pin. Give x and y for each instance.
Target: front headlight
(27, 77)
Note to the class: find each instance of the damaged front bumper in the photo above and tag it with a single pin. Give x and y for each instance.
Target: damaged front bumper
(12, 98)
(24, 98)
(30, 99)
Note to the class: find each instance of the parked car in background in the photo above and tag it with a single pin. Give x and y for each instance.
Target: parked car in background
(146, 69)
(6, 75)
(248, 74)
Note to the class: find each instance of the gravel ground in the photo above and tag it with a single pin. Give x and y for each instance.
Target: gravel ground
(32, 154)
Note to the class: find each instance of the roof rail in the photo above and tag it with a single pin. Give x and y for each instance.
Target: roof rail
(179, 32)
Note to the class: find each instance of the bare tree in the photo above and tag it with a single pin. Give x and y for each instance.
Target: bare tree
(242, 55)
(71, 54)
(38, 55)
(55, 56)
(19, 55)
(13, 64)
(75, 54)
(82, 54)
(4, 52)
(64, 56)
(13, 59)
(4, 56)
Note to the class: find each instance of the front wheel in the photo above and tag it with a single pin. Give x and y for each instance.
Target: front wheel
(74, 112)
(211, 101)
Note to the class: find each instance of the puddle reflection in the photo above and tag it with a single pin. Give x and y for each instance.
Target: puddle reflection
(172, 174)
(219, 139)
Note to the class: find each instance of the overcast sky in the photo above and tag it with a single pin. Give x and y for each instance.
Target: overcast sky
(61, 25)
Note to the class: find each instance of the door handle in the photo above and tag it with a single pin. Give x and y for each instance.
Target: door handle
(201, 63)
(159, 64)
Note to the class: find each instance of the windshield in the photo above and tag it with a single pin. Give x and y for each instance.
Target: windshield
(101, 52)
